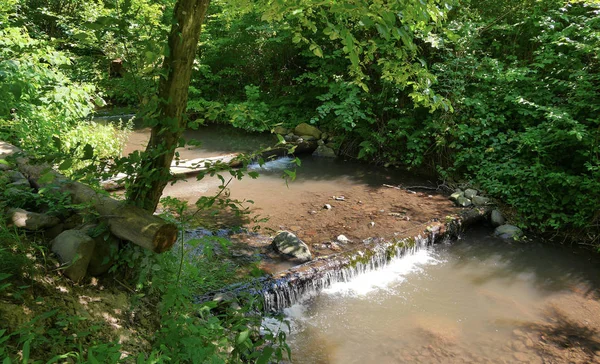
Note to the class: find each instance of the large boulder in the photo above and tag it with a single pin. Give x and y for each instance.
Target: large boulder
(74, 248)
(508, 232)
(32, 221)
(306, 129)
(323, 151)
(289, 244)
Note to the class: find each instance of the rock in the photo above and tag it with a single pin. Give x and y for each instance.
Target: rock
(281, 130)
(327, 206)
(54, 231)
(324, 151)
(224, 297)
(308, 138)
(372, 223)
(454, 197)
(31, 220)
(470, 193)
(22, 184)
(463, 201)
(227, 298)
(496, 218)
(334, 247)
(291, 138)
(324, 137)
(480, 200)
(75, 249)
(105, 254)
(5, 166)
(508, 232)
(73, 222)
(289, 244)
(339, 198)
(343, 239)
(320, 142)
(15, 176)
(306, 129)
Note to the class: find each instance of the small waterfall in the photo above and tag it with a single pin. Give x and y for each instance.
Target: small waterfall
(307, 280)
(278, 164)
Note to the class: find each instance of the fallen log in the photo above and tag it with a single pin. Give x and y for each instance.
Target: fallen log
(179, 169)
(185, 168)
(124, 221)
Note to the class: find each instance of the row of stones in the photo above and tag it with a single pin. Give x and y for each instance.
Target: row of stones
(470, 197)
(308, 133)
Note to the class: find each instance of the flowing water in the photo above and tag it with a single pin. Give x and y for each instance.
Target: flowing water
(272, 195)
(476, 300)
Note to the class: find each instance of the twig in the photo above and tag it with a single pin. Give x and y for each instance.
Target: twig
(422, 188)
(125, 286)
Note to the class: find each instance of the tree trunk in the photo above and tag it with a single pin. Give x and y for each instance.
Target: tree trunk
(183, 39)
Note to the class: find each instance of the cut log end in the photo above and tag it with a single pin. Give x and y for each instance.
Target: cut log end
(164, 238)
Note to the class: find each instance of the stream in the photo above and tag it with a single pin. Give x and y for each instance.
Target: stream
(479, 299)
(476, 300)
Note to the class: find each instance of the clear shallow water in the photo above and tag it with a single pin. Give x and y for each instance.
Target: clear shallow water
(472, 301)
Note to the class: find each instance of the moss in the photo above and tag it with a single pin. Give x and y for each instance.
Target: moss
(363, 258)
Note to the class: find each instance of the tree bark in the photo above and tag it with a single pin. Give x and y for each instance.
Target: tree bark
(172, 97)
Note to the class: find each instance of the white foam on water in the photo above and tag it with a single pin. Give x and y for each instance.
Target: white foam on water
(381, 279)
(274, 165)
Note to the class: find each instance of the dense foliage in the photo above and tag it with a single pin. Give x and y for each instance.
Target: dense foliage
(501, 95)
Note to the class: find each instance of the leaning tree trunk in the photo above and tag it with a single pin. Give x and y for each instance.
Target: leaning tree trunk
(154, 172)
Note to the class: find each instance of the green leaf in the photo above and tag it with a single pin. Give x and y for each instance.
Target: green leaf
(88, 152)
(265, 356)
(242, 337)
(367, 21)
(65, 165)
(318, 52)
(57, 142)
(46, 177)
